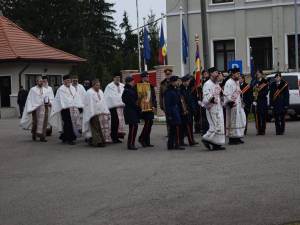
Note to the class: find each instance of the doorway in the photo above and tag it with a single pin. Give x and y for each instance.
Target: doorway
(5, 91)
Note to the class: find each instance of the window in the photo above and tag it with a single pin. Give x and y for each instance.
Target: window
(221, 1)
(262, 53)
(53, 80)
(224, 52)
(31, 80)
(291, 51)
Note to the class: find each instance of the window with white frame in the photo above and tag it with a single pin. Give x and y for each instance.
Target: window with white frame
(224, 52)
(262, 52)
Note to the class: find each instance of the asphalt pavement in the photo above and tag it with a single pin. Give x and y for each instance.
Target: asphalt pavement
(257, 183)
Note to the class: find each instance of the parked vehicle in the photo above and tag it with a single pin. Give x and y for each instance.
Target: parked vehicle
(293, 79)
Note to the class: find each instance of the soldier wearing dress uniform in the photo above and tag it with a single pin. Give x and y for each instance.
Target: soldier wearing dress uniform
(173, 116)
(131, 111)
(247, 95)
(279, 102)
(148, 116)
(163, 87)
(260, 102)
(188, 108)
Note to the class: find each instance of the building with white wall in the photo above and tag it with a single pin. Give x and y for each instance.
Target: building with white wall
(23, 57)
(233, 26)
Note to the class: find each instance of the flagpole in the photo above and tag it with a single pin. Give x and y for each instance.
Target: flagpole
(296, 37)
(138, 31)
(145, 61)
(181, 42)
(162, 21)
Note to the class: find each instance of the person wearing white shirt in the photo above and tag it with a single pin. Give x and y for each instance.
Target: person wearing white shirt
(214, 138)
(235, 114)
(36, 111)
(65, 115)
(113, 97)
(50, 94)
(96, 117)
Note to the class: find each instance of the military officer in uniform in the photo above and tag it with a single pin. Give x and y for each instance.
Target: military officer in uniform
(260, 102)
(131, 111)
(172, 110)
(279, 102)
(247, 95)
(188, 109)
(147, 114)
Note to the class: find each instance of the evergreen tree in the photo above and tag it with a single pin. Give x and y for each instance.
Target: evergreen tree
(154, 39)
(129, 45)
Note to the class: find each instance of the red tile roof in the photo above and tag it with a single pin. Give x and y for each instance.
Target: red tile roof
(18, 45)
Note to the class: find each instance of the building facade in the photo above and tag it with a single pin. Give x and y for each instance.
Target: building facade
(23, 57)
(267, 27)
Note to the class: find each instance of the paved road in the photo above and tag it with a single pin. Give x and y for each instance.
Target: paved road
(54, 184)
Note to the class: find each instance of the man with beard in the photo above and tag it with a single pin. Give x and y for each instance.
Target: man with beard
(279, 102)
(96, 117)
(37, 105)
(50, 94)
(235, 115)
(113, 97)
(214, 138)
(65, 115)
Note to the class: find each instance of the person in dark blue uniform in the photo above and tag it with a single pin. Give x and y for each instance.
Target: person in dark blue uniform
(247, 96)
(148, 115)
(131, 111)
(172, 110)
(188, 109)
(260, 102)
(279, 102)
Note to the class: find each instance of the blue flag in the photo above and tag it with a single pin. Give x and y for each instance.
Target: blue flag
(185, 44)
(147, 50)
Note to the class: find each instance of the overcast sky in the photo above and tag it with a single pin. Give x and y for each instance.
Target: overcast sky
(158, 7)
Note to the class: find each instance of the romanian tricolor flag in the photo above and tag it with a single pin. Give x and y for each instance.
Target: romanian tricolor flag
(197, 64)
(162, 47)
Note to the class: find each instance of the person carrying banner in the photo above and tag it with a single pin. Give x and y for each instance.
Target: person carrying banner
(148, 105)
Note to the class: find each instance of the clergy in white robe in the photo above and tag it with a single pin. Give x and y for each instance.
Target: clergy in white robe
(35, 115)
(96, 117)
(79, 89)
(235, 114)
(65, 114)
(113, 97)
(50, 94)
(214, 138)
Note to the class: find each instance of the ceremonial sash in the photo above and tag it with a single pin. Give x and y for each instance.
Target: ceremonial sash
(245, 89)
(260, 87)
(278, 92)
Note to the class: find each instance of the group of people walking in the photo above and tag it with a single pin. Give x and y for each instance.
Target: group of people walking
(218, 107)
